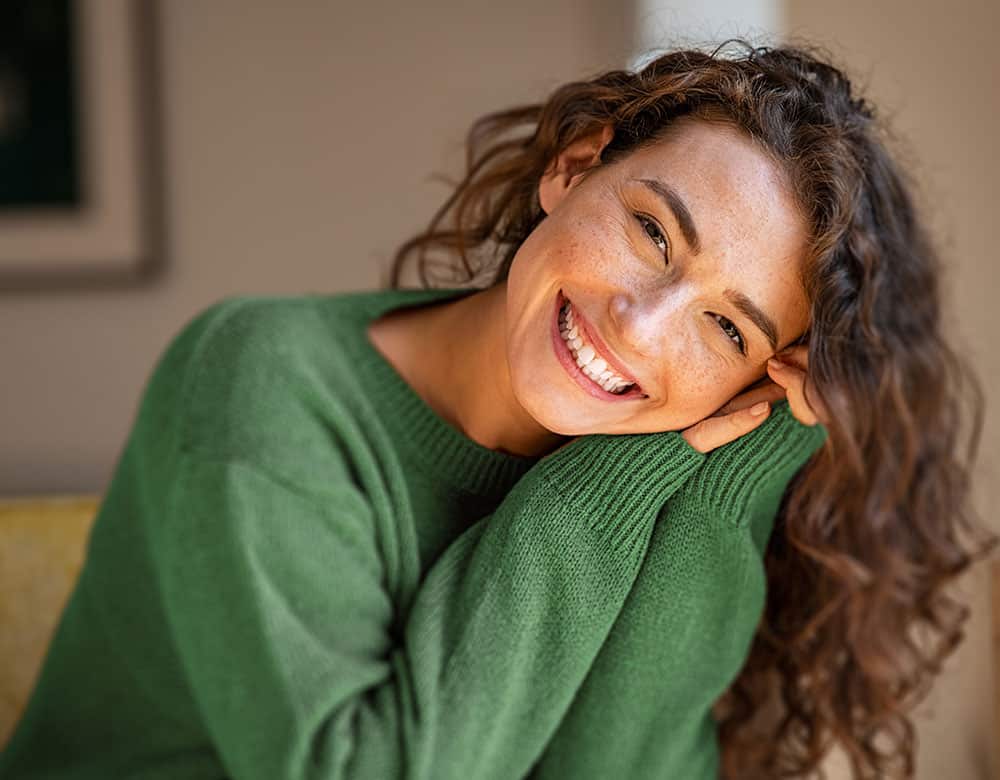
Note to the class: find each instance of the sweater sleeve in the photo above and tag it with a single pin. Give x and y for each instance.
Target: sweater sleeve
(275, 594)
(686, 627)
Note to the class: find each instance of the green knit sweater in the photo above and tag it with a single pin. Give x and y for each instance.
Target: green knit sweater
(299, 570)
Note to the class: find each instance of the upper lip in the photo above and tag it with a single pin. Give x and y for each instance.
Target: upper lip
(602, 348)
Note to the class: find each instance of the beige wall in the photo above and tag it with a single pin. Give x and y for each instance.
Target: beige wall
(933, 68)
(300, 138)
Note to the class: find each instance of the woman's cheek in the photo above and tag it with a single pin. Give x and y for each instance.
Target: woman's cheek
(708, 389)
(598, 246)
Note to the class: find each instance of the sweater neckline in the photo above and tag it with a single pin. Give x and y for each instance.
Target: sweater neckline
(413, 424)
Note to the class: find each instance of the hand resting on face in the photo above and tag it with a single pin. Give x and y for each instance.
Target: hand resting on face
(787, 379)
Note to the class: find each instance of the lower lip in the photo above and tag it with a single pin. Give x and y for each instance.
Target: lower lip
(569, 363)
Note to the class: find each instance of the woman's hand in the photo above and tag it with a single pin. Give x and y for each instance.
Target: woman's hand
(740, 415)
(789, 369)
(787, 379)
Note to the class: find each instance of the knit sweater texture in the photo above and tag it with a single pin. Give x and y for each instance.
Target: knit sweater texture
(300, 570)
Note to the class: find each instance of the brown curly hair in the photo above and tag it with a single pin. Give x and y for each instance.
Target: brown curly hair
(869, 531)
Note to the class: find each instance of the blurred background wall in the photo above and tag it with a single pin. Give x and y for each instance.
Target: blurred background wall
(299, 140)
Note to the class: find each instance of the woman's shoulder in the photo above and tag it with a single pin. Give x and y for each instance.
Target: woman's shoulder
(257, 376)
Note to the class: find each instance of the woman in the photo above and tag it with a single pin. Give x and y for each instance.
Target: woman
(529, 529)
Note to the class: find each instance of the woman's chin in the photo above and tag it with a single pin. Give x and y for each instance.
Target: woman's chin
(552, 415)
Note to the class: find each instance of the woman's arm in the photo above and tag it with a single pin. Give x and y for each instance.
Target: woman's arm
(276, 597)
(276, 578)
(685, 629)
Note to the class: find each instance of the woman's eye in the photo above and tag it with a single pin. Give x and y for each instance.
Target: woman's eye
(659, 239)
(726, 325)
(655, 233)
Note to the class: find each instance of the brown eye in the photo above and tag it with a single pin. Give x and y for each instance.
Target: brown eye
(655, 234)
(726, 325)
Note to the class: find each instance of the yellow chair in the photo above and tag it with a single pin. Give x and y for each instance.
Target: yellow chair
(42, 544)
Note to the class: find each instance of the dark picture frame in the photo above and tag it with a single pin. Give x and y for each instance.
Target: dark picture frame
(81, 203)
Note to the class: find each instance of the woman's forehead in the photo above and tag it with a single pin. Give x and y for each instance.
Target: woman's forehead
(715, 179)
(700, 156)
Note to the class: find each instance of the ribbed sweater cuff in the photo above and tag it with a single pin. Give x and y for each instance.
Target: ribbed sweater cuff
(733, 474)
(621, 475)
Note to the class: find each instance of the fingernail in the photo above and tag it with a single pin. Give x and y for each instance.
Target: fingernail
(775, 363)
(758, 409)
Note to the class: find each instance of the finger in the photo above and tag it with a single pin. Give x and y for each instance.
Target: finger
(713, 432)
(793, 380)
(797, 356)
(758, 392)
(764, 380)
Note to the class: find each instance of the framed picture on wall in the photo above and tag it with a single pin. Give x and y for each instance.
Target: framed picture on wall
(79, 198)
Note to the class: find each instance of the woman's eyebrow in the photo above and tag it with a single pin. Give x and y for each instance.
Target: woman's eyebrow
(755, 314)
(673, 201)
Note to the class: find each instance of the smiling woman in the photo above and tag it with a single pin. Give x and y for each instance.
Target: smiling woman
(728, 229)
(681, 266)
(552, 527)
(668, 304)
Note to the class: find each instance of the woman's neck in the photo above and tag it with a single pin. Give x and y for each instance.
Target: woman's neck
(453, 354)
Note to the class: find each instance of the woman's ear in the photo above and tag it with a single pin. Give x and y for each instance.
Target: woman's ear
(564, 171)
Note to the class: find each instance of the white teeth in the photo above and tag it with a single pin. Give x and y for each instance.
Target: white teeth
(586, 356)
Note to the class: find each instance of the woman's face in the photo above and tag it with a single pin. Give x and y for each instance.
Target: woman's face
(661, 306)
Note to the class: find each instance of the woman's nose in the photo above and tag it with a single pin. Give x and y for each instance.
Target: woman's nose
(645, 326)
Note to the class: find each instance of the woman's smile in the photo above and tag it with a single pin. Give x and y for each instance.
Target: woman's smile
(584, 359)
